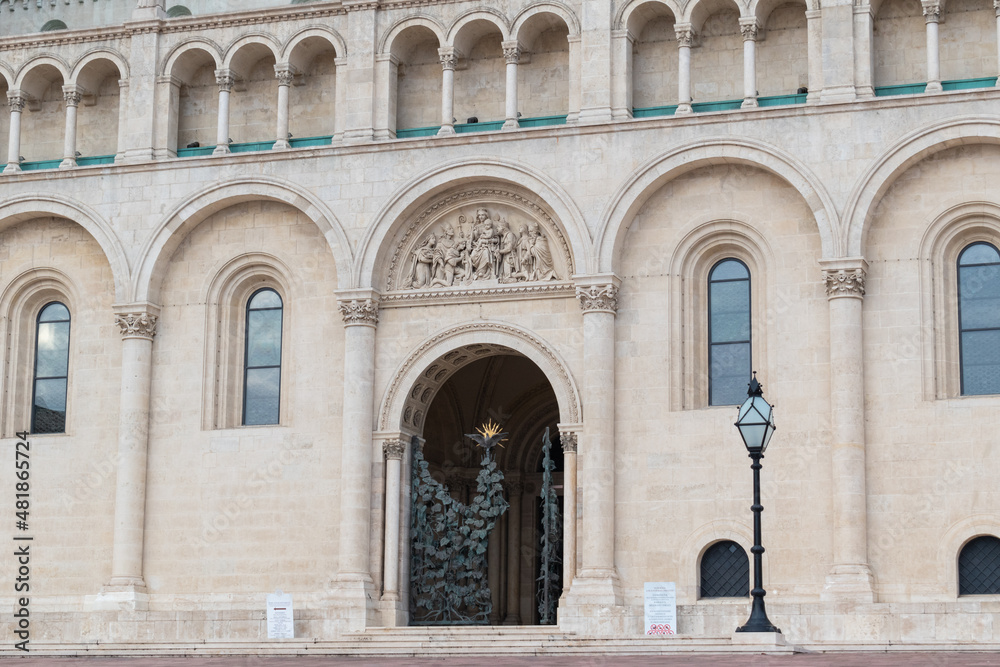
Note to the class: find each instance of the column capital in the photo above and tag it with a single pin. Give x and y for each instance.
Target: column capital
(511, 51)
(568, 440)
(394, 449)
(749, 26)
(225, 79)
(932, 12)
(598, 293)
(72, 95)
(285, 74)
(448, 56)
(137, 320)
(16, 99)
(844, 277)
(996, 7)
(359, 307)
(685, 34)
(813, 14)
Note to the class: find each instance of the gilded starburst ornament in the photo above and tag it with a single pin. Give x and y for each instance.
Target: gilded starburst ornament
(488, 435)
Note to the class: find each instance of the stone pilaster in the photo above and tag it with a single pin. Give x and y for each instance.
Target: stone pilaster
(127, 588)
(850, 579)
(354, 587)
(568, 439)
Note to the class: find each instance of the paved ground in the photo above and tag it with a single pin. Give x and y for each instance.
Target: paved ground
(799, 660)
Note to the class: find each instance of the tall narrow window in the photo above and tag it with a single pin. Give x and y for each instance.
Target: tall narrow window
(979, 567)
(262, 366)
(725, 571)
(728, 332)
(979, 319)
(48, 402)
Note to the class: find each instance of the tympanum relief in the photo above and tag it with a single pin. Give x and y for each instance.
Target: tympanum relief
(479, 246)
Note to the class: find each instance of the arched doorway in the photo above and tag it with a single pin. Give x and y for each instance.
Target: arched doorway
(492, 383)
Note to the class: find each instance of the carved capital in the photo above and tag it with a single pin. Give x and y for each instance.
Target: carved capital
(685, 35)
(449, 59)
(568, 441)
(749, 28)
(16, 102)
(72, 96)
(845, 282)
(996, 7)
(394, 449)
(360, 312)
(932, 13)
(511, 52)
(225, 79)
(285, 74)
(136, 325)
(598, 298)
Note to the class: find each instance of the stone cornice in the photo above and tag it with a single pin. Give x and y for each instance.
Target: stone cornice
(474, 295)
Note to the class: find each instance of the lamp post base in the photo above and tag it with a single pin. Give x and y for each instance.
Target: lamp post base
(758, 621)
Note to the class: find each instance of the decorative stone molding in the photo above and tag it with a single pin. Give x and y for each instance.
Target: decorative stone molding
(225, 79)
(136, 325)
(568, 441)
(449, 59)
(844, 277)
(598, 298)
(72, 96)
(394, 449)
(749, 27)
(515, 292)
(932, 13)
(465, 239)
(360, 312)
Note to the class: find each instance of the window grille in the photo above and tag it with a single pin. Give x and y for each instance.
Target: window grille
(725, 571)
(979, 567)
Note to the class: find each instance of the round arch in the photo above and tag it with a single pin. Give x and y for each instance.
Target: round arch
(698, 11)
(22, 80)
(762, 8)
(906, 152)
(99, 54)
(232, 60)
(26, 207)
(628, 9)
(7, 75)
(438, 357)
(388, 38)
(314, 31)
(951, 544)
(202, 44)
(546, 7)
(651, 176)
(694, 547)
(426, 184)
(158, 249)
(488, 15)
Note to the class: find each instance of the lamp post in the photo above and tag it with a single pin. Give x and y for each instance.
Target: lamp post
(756, 425)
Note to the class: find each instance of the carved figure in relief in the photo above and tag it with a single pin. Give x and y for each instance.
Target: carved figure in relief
(543, 268)
(491, 251)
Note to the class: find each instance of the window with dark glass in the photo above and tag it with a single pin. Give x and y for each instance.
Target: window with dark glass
(725, 571)
(262, 367)
(979, 567)
(728, 332)
(979, 319)
(48, 396)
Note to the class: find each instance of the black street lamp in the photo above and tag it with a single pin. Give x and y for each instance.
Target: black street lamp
(756, 425)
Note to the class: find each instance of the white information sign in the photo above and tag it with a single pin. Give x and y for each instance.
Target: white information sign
(661, 608)
(280, 617)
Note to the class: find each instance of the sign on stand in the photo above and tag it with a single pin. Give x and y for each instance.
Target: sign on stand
(280, 616)
(661, 608)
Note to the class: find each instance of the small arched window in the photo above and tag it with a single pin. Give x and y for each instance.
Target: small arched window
(979, 319)
(979, 567)
(48, 401)
(729, 363)
(178, 10)
(54, 24)
(725, 571)
(262, 360)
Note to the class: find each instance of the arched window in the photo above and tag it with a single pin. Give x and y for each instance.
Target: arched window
(48, 402)
(178, 10)
(725, 571)
(729, 362)
(54, 24)
(262, 360)
(979, 319)
(979, 567)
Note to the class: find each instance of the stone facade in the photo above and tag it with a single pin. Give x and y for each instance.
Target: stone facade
(574, 226)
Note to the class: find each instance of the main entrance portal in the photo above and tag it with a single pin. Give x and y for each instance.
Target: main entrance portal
(508, 390)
